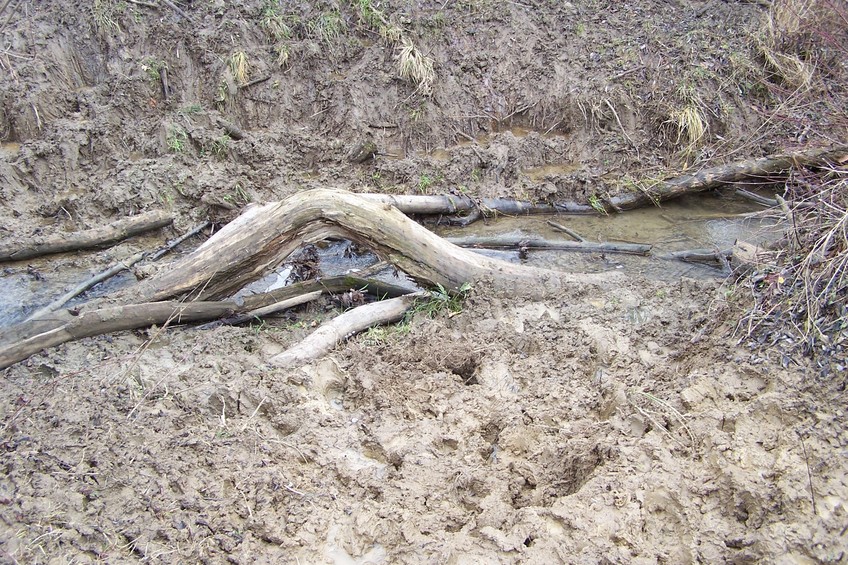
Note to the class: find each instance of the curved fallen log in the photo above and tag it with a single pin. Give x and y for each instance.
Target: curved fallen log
(95, 238)
(262, 237)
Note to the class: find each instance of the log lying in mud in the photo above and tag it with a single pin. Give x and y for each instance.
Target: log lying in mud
(322, 340)
(95, 238)
(763, 169)
(263, 236)
(30, 337)
(453, 205)
(519, 242)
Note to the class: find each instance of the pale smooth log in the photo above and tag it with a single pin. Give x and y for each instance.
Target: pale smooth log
(325, 338)
(262, 237)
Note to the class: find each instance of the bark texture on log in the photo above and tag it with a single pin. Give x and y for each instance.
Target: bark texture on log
(517, 242)
(103, 236)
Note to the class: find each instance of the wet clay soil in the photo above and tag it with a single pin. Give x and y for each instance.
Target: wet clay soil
(623, 421)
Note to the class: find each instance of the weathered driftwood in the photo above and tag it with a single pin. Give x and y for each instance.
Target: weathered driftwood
(103, 236)
(764, 168)
(53, 320)
(263, 236)
(322, 340)
(523, 242)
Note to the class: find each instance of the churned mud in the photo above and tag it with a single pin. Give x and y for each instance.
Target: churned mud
(627, 421)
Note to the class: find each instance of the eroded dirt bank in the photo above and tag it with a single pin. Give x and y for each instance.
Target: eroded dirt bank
(622, 422)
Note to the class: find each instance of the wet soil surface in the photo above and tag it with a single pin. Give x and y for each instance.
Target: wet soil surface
(626, 421)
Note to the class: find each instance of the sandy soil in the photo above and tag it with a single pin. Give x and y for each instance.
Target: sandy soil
(624, 421)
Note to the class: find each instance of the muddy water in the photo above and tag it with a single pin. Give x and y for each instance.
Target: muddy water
(705, 222)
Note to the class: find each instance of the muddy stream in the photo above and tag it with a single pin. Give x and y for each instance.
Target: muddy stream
(706, 222)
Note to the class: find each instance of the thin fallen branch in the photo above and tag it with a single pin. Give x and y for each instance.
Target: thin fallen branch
(566, 230)
(177, 9)
(322, 340)
(95, 238)
(265, 310)
(85, 285)
(171, 245)
(522, 242)
(754, 197)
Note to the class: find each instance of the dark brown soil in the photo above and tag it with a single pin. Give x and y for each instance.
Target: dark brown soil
(620, 422)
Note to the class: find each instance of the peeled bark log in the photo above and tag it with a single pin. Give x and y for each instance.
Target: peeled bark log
(450, 204)
(89, 239)
(764, 168)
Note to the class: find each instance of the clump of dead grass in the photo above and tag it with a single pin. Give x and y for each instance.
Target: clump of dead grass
(240, 67)
(689, 119)
(415, 67)
(800, 296)
(800, 39)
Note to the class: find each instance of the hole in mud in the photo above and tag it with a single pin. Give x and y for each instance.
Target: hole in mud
(465, 369)
(528, 541)
(564, 472)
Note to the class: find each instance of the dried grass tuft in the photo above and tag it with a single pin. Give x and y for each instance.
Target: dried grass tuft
(240, 67)
(416, 67)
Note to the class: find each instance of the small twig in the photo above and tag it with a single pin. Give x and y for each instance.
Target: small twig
(174, 243)
(753, 197)
(177, 9)
(623, 131)
(809, 475)
(569, 231)
(143, 3)
(9, 19)
(255, 82)
(625, 73)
